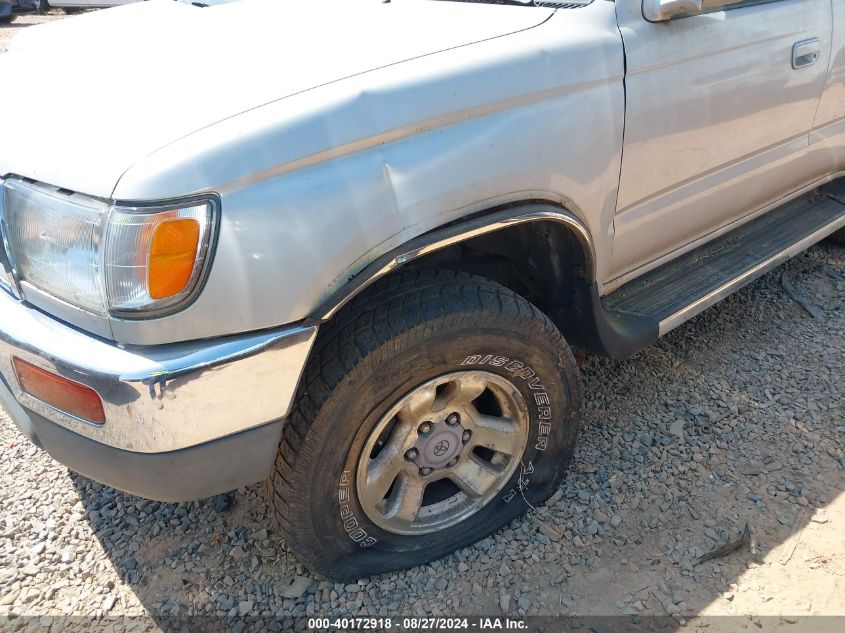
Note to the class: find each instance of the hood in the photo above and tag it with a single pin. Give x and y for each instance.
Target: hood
(87, 97)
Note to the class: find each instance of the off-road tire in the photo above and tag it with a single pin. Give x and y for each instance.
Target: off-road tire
(404, 331)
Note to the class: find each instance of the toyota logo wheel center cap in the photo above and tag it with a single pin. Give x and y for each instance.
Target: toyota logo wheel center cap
(440, 446)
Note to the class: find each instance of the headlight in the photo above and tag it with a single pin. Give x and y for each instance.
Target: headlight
(108, 259)
(154, 257)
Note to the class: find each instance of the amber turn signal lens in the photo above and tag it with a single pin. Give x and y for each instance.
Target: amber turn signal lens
(59, 392)
(173, 252)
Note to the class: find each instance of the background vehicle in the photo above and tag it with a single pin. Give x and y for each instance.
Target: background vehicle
(44, 5)
(9, 9)
(61, 4)
(6, 12)
(362, 277)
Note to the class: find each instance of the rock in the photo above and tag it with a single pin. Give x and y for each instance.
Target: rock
(600, 516)
(9, 597)
(615, 521)
(554, 498)
(245, 607)
(550, 532)
(295, 587)
(261, 535)
(748, 467)
(677, 429)
(222, 502)
(505, 602)
(29, 570)
(670, 607)
(523, 603)
(38, 549)
(29, 595)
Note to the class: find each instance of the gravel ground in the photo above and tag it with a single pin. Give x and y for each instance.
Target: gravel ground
(733, 419)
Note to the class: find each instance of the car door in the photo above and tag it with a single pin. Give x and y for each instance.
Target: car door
(719, 108)
(827, 140)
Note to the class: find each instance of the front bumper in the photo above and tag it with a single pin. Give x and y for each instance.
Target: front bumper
(184, 475)
(157, 400)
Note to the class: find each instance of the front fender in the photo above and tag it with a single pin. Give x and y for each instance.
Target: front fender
(317, 187)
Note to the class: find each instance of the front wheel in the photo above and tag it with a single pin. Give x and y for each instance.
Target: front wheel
(435, 410)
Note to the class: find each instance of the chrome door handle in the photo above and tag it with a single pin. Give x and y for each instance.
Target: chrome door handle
(805, 53)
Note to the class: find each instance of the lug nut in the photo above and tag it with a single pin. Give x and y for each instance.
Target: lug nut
(466, 436)
(453, 419)
(425, 428)
(411, 455)
(452, 463)
(425, 471)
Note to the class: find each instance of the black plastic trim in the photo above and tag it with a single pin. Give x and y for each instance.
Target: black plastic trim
(184, 475)
(601, 332)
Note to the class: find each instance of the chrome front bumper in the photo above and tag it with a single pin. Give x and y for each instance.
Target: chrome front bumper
(157, 399)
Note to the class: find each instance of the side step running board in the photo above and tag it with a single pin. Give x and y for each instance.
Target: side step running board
(664, 298)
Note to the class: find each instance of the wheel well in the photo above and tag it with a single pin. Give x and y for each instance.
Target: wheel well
(542, 261)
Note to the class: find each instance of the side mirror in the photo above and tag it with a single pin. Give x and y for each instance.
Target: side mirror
(663, 10)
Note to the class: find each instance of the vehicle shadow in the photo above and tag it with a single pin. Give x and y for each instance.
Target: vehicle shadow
(732, 423)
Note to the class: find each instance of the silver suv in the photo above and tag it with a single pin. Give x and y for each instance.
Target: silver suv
(352, 248)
